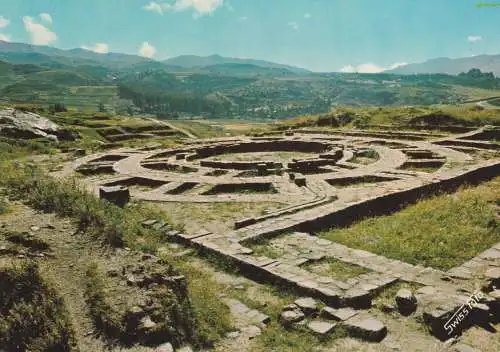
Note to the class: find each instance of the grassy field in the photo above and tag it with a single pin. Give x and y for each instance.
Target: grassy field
(441, 232)
(221, 128)
(399, 116)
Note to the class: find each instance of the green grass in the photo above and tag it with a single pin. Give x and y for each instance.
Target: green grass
(199, 129)
(105, 319)
(440, 232)
(268, 250)
(417, 168)
(4, 206)
(388, 295)
(213, 318)
(110, 223)
(32, 316)
(18, 148)
(365, 157)
(335, 268)
(398, 116)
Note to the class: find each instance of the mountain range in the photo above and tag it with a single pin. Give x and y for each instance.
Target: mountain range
(486, 63)
(222, 87)
(20, 53)
(45, 56)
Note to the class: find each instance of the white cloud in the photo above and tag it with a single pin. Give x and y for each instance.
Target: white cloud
(100, 48)
(370, 68)
(242, 18)
(307, 15)
(396, 65)
(348, 69)
(46, 17)
(4, 37)
(474, 38)
(294, 25)
(39, 34)
(200, 7)
(147, 50)
(154, 7)
(4, 22)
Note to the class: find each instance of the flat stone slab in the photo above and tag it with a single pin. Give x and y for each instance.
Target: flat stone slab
(257, 317)
(321, 327)
(289, 317)
(341, 314)
(492, 274)
(367, 329)
(308, 305)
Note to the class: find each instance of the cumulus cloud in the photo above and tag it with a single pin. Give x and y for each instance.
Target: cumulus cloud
(307, 15)
(4, 37)
(100, 48)
(46, 17)
(200, 7)
(397, 64)
(154, 7)
(147, 50)
(4, 22)
(370, 68)
(39, 34)
(294, 25)
(474, 38)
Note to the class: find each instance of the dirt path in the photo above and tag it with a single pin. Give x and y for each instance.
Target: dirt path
(176, 128)
(65, 270)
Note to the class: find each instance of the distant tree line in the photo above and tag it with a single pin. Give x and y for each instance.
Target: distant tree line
(169, 104)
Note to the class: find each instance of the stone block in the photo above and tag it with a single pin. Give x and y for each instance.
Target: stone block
(358, 298)
(308, 305)
(291, 317)
(321, 328)
(406, 301)
(118, 195)
(369, 329)
(341, 314)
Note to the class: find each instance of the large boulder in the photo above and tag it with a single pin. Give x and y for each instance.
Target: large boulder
(27, 125)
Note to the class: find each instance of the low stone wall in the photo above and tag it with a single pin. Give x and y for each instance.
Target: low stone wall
(393, 202)
(239, 165)
(265, 187)
(264, 146)
(136, 181)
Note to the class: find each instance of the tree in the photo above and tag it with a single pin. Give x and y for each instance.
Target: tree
(101, 107)
(57, 107)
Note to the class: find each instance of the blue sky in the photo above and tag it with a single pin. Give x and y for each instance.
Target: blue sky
(322, 35)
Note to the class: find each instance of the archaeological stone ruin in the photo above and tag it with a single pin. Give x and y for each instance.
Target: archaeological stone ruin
(322, 180)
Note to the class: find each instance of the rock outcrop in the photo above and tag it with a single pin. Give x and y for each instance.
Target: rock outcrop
(27, 125)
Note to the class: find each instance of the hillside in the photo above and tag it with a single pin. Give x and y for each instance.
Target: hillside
(214, 86)
(190, 61)
(486, 63)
